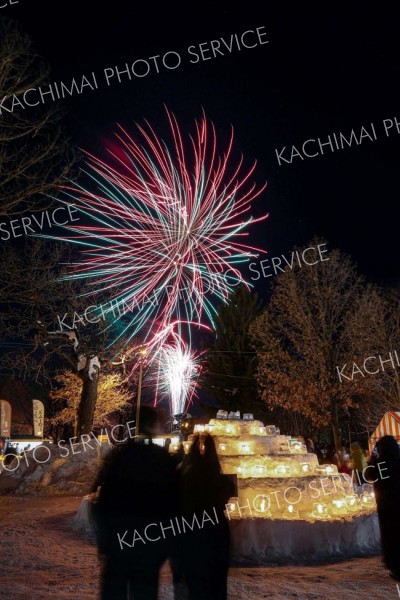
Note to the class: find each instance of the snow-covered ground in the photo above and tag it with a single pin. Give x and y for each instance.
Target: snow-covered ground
(42, 558)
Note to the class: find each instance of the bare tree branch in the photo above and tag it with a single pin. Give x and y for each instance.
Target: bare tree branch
(35, 156)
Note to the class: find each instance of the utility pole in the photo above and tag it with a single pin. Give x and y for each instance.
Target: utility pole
(143, 353)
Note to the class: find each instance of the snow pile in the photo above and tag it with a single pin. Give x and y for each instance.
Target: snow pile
(50, 473)
(265, 541)
(44, 560)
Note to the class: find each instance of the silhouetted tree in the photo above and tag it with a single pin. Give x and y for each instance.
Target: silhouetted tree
(230, 360)
(34, 301)
(306, 333)
(35, 156)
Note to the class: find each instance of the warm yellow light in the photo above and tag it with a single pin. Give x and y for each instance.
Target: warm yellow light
(367, 497)
(339, 506)
(305, 467)
(328, 469)
(290, 508)
(259, 469)
(282, 469)
(261, 504)
(320, 510)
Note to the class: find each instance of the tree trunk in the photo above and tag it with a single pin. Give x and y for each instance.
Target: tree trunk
(90, 377)
(337, 437)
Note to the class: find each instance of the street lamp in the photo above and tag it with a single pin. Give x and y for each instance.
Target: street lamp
(142, 353)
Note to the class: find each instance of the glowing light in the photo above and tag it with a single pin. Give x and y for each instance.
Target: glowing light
(186, 447)
(232, 504)
(292, 511)
(326, 469)
(178, 370)
(353, 503)
(338, 503)
(339, 506)
(259, 469)
(173, 448)
(367, 497)
(282, 470)
(320, 510)
(260, 504)
(246, 448)
(168, 222)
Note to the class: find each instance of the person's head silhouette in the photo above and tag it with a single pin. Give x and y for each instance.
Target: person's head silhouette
(388, 448)
(149, 423)
(203, 455)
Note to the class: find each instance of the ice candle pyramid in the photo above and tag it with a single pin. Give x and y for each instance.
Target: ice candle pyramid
(277, 477)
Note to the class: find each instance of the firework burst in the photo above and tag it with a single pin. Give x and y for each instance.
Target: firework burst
(167, 227)
(178, 369)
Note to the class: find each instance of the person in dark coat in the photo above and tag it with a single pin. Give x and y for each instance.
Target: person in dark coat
(387, 494)
(139, 489)
(204, 492)
(358, 463)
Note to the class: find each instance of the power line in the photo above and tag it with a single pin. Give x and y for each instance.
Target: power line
(226, 375)
(231, 351)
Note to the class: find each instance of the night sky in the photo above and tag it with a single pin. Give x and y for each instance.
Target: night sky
(323, 70)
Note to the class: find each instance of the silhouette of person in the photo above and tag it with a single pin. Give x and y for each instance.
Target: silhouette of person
(387, 494)
(205, 549)
(139, 491)
(358, 462)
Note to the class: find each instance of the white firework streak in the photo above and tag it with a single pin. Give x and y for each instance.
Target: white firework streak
(178, 371)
